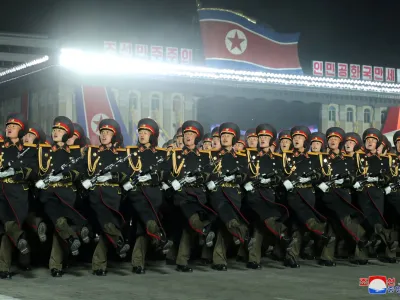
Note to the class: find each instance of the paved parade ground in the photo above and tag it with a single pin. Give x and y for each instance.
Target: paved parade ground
(163, 282)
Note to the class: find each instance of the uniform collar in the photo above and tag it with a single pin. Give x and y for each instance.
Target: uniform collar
(104, 148)
(297, 153)
(55, 147)
(143, 148)
(333, 155)
(224, 151)
(9, 143)
(186, 151)
(261, 152)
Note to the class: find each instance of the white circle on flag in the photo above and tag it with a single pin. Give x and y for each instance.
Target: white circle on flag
(236, 41)
(94, 124)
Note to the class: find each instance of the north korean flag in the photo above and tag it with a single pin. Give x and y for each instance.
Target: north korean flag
(233, 41)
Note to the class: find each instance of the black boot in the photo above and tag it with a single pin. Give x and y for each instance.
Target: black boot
(41, 231)
(85, 235)
(138, 270)
(122, 248)
(100, 272)
(327, 263)
(291, 262)
(185, 269)
(253, 265)
(22, 246)
(56, 272)
(5, 275)
(74, 245)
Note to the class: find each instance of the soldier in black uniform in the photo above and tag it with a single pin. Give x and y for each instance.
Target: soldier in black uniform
(187, 178)
(302, 169)
(58, 192)
(285, 141)
(207, 142)
(35, 136)
(144, 193)
(266, 171)
(373, 176)
(318, 142)
(18, 168)
(339, 176)
(352, 144)
(216, 141)
(229, 173)
(240, 145)
(105, 176)
(251, 138)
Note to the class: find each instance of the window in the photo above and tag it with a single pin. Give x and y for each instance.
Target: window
(332, 113)
(350, 114)
(155, 102)
(383, 116)
(367, 115)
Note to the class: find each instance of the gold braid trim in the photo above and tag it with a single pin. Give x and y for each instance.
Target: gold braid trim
(138, 166)
(176, 170)
(362, 169)
(1, 159)
(321, 161)
(394, 172)
(218, 167)
(92, 168)
(40, 158)
(284, 158)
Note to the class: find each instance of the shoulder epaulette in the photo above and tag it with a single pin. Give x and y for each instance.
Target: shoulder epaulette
(1, 140)
(287, 151)
(176, 149)
(30, 145)
(384, 155)
(121, 149)
(131, 147)
(205, 151)
(161, 149)
(277, 154)
(314, 153)
(360, 152)
(214, 150)
(346, 155)
(241, 154)
(74, 147)
(392, 154)
(45, 145)
(93, 146)
(252, 149)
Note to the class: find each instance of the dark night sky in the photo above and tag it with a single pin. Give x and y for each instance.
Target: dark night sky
(352, 31)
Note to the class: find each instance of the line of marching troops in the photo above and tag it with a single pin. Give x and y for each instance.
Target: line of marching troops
(301, 194)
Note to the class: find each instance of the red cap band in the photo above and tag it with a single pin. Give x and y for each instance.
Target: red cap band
(266, 132)
(228, 130)
(335, 134)
(108, 127)
(147, 127)
(16, 122)
(192, 129)
(62, 126)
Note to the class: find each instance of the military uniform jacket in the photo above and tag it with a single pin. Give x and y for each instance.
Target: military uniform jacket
(265, 163)
(225, 161)
(14, 199)
(145, 160)
(373, 165)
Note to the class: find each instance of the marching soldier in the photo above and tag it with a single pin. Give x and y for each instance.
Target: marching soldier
(240, 145)
(144, 192)
(225, 194)
(318, 142)
(353, 143)
(187, 177)
(302, 168)
(58, 192)
(35, 136)
(207, 142)
(265, 173)
(372, 178)
(18, 169)
(106, 172)
(251, 138)
(285, 141)
(337, 182)
(216, 141)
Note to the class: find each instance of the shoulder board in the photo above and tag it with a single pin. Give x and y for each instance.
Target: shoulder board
(252, 149)
(30, 145)
(121, 149)
(45, 145)
(288, 151)
(384, 155)
(176, 150)
(323, 153)
(93, 146)
(74, 147)
(360, 152)
(161, 149)
(392, 154)
(241, 154)
(205, 152)
(276, 154)
(314, 153)
(214, 150)
(131, 147)
(346, 155)
(1, 140)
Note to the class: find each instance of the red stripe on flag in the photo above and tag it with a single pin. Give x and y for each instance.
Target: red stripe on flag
(392, 120)
(97, 107)
(260, 50)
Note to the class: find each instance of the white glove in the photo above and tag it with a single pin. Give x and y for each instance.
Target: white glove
(56, 178)
(323, 187)
(176, 185)
(357, 185)
(128, 186)
(248, 186)
(104, 177)
(372, 179)
(144, 178)
(304, 179)
(339, 181)
(87, 184)
(40, 184)
(164, 186)
(388, 190)
(229, 178)
(288, 185)
(211, 185)
(7, 173)
(265, 180)
(190, 179)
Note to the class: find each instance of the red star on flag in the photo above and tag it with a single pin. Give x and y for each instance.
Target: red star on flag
(236, 42)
